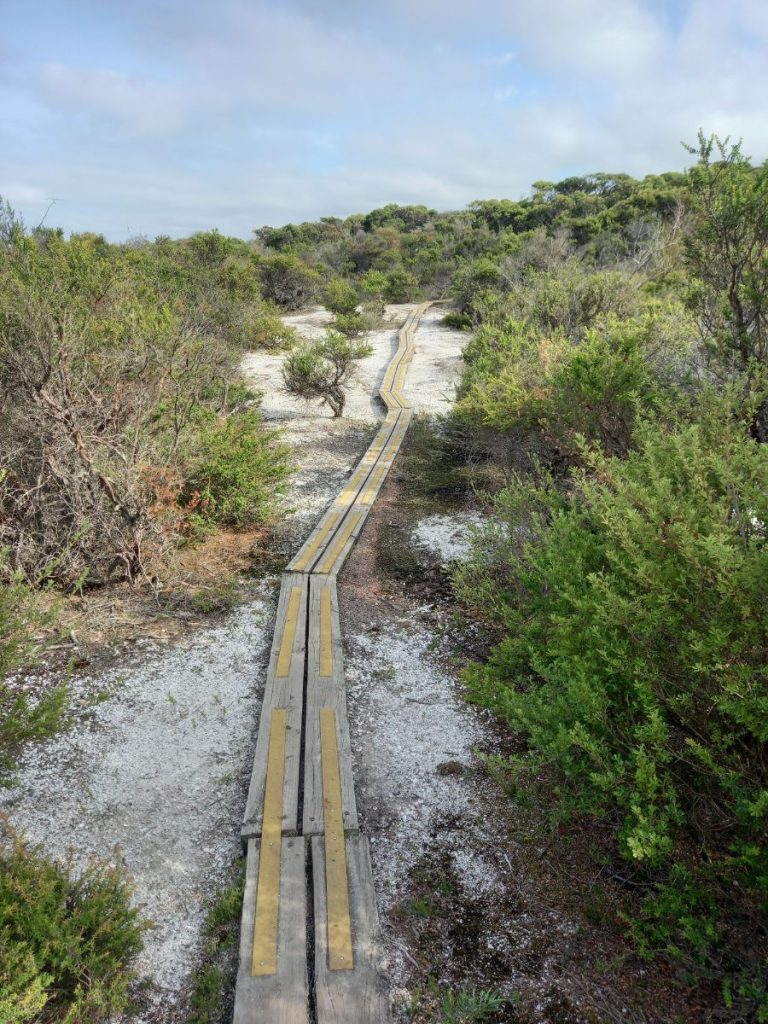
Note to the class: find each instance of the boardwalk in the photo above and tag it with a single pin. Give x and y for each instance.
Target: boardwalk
(309, 935)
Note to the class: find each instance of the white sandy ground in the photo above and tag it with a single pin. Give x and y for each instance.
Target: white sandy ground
(160, 767)
(447, 537)
(430, 384)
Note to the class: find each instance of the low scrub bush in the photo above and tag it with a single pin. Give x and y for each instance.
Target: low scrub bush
(241, 476)
(634, 609)
(67, 940)
(322, 369)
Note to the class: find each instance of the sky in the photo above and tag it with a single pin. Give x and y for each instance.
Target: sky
(174, 116)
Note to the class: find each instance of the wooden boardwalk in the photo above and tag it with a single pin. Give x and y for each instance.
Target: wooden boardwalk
(309, 941)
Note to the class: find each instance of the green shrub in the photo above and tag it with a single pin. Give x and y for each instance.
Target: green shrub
(25, 714)
(351, 325)
(520, 380)
(340, 297)
(323, 368)
(635, 614)
(241, 475)
(265, 329)
(470, 1006)
(66, 941)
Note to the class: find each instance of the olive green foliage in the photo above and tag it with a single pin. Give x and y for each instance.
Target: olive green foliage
(340, 297)
(322, 369)
(67, 939)
(619, 346)
(113, 362)
(521, 380)
(242, 475)
(262, 327)
(727, 251)
(635, 614)
(25, 713)
(287, 280)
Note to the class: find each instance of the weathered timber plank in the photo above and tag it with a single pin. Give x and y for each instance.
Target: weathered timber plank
(284, 689)
(357, 996)
(322, 535)
(280, 997)
(325, 690)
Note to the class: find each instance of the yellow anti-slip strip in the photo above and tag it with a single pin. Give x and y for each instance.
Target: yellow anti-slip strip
(370, 491)
(265, 925)
(326, 634)
(328, 562)
(289, 633)
(336, 878)
(322, 533)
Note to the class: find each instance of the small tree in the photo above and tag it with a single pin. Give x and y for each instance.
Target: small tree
(323, 368)
(727, 249)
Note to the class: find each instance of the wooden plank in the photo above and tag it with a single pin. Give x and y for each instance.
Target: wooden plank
(340, 541)
(264, 956)
(281, 692)
(281, 997)
(358, 996)
(325, 691)
(336, 879)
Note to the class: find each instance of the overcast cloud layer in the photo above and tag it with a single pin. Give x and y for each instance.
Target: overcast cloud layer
(171, 116)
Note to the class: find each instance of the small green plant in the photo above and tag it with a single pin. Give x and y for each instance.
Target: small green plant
(470, 1006)
(25, 715)
(213, 983)
(322, 369)
(67, 940)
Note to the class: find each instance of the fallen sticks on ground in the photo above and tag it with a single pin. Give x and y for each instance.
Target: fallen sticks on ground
(310, 932)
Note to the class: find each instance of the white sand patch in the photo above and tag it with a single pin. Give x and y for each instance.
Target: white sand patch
(405, 719)
(158, 769)
(430, 384)
(437, 364)
(449, 538)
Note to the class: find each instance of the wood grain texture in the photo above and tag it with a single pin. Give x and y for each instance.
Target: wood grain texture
(280, 998)
(288, 693)
(358, 996)
(325, 691)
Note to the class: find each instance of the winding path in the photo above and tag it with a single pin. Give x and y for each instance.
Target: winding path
(309, 942)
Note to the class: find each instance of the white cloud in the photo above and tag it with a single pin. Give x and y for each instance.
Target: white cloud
(236, 114)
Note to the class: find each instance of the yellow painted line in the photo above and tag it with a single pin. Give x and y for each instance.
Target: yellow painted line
(285, 656)
(330, 558)
(267, 917)
(336, 878)
(347, 496)
(311, 551)
(370, 491)
(326, 633)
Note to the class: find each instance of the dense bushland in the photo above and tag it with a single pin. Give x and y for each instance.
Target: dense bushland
(624, 574)
(118, 394)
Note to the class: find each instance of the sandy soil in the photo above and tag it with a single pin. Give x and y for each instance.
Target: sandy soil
(157, 767)
(432, 377)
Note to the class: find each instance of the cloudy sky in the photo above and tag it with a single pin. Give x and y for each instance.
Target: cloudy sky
(171, 116)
